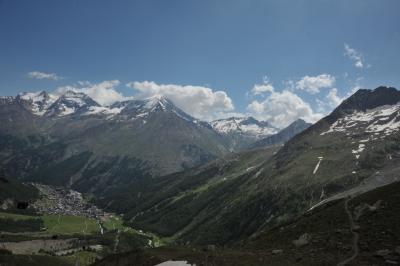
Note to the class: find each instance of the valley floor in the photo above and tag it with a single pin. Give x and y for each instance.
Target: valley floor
(359, 230)
(63, 228)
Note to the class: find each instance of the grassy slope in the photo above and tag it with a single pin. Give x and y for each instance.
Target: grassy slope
(202, 205)
(65, 224)
(10, 222)
(160, 201)
(232, 198)
(56, 224)
(330, 239)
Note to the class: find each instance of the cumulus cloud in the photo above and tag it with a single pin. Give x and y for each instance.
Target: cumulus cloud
(354, 55)
(104, 93)
(198, 101)
(282, 108)
(313, 84)
(260, 89)
(42, 75)
(333, 99)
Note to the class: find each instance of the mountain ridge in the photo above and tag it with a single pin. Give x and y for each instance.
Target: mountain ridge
(243, 131)
(142, 137)
(283, 135)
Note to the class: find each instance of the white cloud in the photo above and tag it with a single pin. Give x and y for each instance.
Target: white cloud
(200, 102)
(42, 75)
(333, 99)
(354, 55)
(104, 93)
(260, 89)
(313, 84)
(282, 108)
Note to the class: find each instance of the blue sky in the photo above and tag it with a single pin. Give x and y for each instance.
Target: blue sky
(200, 48)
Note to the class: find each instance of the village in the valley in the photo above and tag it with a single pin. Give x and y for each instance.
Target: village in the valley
(64, 201)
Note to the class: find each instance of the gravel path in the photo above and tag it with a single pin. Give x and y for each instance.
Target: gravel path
(356, 236)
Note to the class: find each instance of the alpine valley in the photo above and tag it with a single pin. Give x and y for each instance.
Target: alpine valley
(141, 182)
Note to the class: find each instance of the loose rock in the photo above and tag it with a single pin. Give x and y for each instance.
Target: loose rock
(277, 251)
(382, 253)
(303, 240)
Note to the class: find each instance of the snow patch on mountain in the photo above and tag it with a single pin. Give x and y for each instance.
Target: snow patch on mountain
(77, 103)
(244, 125)
(39, 101)
(104, 110)
(6, 99)
(360, 149)
(317, 165)
(381, 120)
(156, 101)
(70, 103)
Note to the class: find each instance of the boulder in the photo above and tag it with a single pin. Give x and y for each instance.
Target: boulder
(303, 240)
(277, 251)
(382, 252)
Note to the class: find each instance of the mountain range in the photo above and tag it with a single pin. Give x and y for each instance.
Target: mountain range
(243, 131)
(235, 182)
(352, 150)
(92, 147)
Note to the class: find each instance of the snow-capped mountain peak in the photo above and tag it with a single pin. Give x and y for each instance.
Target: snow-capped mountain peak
(39, 101)
(158, 102)
(140, 109)
(245, 126)
(71, 102)
(78, 103)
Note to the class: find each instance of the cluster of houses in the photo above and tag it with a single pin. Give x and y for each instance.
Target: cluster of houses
(65, 202)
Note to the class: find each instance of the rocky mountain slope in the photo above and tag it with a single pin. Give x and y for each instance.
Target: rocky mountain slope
(354, 149)
(282, 136)
(242, 131)
(72, 140)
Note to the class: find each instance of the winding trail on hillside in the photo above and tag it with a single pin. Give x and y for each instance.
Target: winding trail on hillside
(356, 236)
